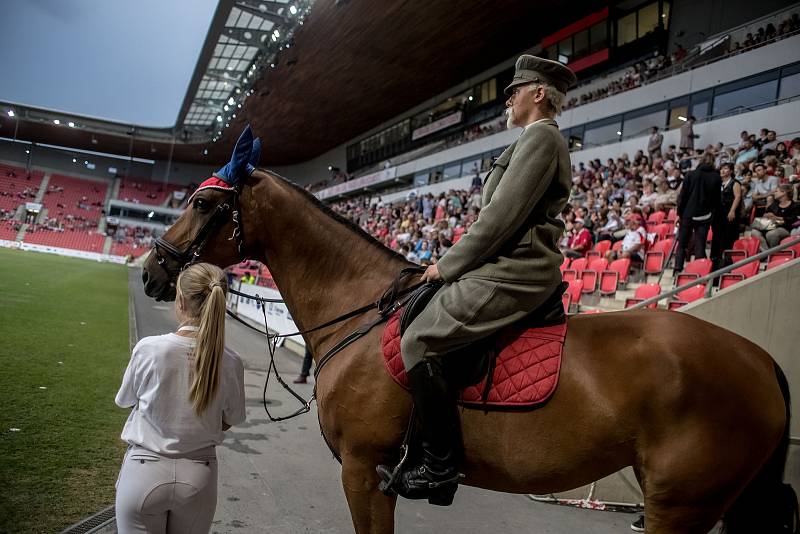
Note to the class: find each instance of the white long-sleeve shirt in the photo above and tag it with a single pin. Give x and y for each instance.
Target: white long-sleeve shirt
(156, 385)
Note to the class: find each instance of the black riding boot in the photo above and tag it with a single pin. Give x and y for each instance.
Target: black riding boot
(436, 478)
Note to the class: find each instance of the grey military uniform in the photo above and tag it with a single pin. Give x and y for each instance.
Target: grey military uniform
(507, 264)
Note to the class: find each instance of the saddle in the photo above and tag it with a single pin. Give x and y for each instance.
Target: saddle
(476, 363)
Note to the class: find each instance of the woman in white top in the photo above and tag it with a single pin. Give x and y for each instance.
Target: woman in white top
(185, 389)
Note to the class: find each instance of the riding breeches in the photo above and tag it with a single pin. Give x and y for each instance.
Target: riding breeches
(466, 311)
(158, 494)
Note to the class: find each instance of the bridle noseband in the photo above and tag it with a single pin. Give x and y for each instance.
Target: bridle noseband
(192, 253)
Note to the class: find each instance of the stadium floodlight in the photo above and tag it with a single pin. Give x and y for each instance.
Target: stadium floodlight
(233, 116)
(276, 33)
(150, 215)
(274, 38)
(10, 112)
(219, 118)
(231, 101)
(56, 122)
(74, 160)
(71, 124)
(225, 107)
(682, 118)
(293, 10)
(619, 132)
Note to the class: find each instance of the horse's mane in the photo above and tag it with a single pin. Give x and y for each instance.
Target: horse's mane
(353, 227)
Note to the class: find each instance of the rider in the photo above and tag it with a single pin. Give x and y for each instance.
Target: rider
(505, 267)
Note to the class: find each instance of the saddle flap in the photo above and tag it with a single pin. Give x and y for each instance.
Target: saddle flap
(417, 303)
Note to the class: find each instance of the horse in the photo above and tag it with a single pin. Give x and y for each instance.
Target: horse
(700, 413)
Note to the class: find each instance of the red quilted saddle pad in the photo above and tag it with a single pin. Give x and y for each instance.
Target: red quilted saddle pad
(526, 369)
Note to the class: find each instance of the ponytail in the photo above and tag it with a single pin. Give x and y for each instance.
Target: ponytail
(205, 287)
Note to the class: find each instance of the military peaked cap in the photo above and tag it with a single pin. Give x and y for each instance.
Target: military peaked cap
(535, 69)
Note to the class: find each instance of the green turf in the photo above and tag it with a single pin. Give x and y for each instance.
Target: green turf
(63, 327)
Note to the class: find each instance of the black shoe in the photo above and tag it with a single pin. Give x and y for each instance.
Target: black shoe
(638, 525)
(436, 478)
(302, 379)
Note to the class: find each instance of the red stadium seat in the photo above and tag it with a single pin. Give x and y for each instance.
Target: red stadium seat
(672, 216)
(566, 300)
(655, 259)
(742, 248)
(599, 250)
(737, 275)
(661, 231)
(655, 218)
(688, 295)
(795, 248)
(564, 265)
(777, 262)
(693, 270)
(575, 269)
(616, 273)
(644, 292)
(591, 275)
(590, 312)
(574, 290)
(617, 246)
(785, 253)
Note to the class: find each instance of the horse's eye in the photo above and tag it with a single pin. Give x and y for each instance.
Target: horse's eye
(200, 204)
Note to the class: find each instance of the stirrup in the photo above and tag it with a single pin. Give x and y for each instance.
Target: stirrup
(388, 479)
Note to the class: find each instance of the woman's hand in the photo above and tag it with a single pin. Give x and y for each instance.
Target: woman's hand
(731, 216)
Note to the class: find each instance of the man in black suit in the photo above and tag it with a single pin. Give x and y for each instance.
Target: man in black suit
(699, 196)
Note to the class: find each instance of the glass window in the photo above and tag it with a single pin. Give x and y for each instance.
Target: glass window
(641, 125)
(790, 86)
(600, 135)
(581, 40)
(598, 37)
(565, 49)
(421, 178)
(700, 109)
(648, 19)
(665, 15)
(452, 171)
(471, 167)
(626, 29)
(552, 52)
(746, 99)
(675, 114)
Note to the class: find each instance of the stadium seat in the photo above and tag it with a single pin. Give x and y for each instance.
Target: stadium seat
(591, 312)
(564, 265)
(655, 218)
(613, 276)
(575, 288)
(672, 216)
(575, 269)
(693, 270)
(795, 248)
(661, 231)
(742, 248)
(655, 259)
(617, 246)
(687, 295)
(566, 300)
(591, 275)
(777, 262)
(737, 275)
(786, 253)
(644, 292)
(599, 250)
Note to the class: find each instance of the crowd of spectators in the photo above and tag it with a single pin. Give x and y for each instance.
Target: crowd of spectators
(767, 33)
(608, 200)
(136, 236)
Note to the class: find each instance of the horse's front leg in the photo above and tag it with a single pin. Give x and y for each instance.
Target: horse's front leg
(372, 511)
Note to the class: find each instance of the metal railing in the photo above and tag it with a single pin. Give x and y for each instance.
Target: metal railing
(716, 274)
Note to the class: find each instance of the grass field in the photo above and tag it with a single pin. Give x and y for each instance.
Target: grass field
(63, 349)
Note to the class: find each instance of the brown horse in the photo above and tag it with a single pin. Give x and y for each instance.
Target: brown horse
(699, 412)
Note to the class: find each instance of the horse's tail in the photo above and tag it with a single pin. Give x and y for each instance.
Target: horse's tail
(767, 505)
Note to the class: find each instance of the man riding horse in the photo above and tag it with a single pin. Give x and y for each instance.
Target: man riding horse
(504, 268)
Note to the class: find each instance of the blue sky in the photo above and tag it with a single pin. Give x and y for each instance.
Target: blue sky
(126, 61)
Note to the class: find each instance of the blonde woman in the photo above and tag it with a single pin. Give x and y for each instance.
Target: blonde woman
(185, 389)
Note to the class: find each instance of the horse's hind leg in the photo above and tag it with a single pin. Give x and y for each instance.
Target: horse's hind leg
(372, 511)
(683, 519)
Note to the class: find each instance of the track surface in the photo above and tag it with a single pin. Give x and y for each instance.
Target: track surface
(280, 478)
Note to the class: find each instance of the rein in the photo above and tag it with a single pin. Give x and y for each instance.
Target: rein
(390, 301)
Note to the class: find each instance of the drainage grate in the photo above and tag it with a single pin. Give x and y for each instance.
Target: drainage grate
(103, 518)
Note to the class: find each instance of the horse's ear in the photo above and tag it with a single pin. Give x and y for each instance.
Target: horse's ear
(243, 153)
(255, 155)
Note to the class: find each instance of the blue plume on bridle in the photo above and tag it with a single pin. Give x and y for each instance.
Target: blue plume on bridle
(243, 160)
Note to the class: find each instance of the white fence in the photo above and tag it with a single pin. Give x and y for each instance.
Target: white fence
(278, 317)
(62, 251)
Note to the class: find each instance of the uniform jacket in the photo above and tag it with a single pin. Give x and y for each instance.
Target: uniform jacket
(515, 238)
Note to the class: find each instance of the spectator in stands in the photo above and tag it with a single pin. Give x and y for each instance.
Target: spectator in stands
(726, 216)
(747, 153)
(180, 408)
(687, 134)
(633, 242)
(769, 145)
(580, 240)
(654, 143)
(699, 197)
(782, 213)
(763, 186)
(666, 197)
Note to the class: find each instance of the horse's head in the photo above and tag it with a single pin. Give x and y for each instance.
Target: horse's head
(211, 227)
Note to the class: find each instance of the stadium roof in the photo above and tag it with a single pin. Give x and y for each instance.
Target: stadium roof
(310, 80)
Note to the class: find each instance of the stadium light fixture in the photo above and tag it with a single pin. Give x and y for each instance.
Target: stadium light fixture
(27, 150)
(150, 215)
(225, 107)
(56, 122)
(231, 101)
(619, 132)
(74, 160)
(219, 118)
(682, 118)
(276, 33)
(71, 124)
(579, 145)
(11, 113)
(293, 10)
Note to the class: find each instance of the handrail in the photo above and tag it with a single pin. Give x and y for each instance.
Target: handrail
(713, 275)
